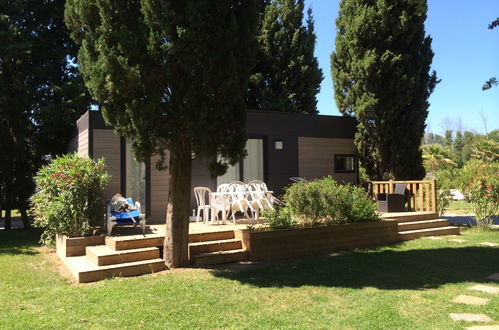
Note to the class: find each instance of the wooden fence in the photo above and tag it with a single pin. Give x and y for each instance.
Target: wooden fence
(423, 195)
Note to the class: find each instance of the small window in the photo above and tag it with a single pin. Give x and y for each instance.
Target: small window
(344, 163)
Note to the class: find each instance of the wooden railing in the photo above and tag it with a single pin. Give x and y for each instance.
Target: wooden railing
(423, 193)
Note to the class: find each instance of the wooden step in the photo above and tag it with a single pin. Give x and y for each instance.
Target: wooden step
(413, 234)
(103, 255)
(221, 257)
(424, 224)
(118, 243)
(410, 216)
(211, 236)
(85, 270)
(214, 246)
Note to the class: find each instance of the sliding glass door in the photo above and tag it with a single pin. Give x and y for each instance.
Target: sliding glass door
(253, 163)
(251, 167)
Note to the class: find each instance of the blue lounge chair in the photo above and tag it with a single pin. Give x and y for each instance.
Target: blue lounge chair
(131, 217)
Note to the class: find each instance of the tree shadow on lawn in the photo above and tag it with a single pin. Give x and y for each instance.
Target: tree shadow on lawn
(385, 269)
(19, 241)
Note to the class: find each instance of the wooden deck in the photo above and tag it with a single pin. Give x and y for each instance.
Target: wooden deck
(129, 253)
(418, 224)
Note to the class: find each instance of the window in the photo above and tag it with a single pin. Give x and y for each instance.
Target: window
(344, 163)
(251, 167)
(135, 178)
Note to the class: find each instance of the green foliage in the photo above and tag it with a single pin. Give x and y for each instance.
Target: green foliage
(323, 202)
(480, 183)
(446, 180)
(279, 218)
(486, 150)
(41, 93)
(380, 71)
(287, 76)
(161, 79)
(457, 148)
(69, 197)
(437, 157)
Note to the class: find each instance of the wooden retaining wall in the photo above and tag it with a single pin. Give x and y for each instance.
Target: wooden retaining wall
(75, 246)
(278, 244)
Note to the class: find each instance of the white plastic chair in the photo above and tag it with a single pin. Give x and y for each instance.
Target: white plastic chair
(239, 201)
(203, 197)
(261, 198)
(271, 199)
(222, 202)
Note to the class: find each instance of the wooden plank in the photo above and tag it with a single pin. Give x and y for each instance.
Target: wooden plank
(427, 196)
(421, 188)
(270, 245)
(107, 145)
(117, 244)
(219, 257)
(316, 157)
(159, 191)
(414, 190)
(408, 181)
(126, 269)
(211, 236)
(103, 255)
(434, 193)
(214, 246)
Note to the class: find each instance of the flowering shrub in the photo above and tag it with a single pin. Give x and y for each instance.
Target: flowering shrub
(323, 202)
(69, 197)
(445, 182)
(480, 184)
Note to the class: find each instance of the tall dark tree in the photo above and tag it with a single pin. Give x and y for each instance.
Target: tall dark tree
(287, 76)
(380, 71)
(492, 81)
(41, 93)
(170, 77)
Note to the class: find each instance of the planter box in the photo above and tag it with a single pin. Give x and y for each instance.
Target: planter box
(277, 244)
(75, 246)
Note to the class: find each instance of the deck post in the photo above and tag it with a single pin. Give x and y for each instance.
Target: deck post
(434, 195)
(391, 187)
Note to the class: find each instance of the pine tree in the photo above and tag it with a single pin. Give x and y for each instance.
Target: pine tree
(170, 76)
(380, 71)
(287, 76)
(41, 93)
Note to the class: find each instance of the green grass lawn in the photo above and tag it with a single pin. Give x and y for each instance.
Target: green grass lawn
(459, 207)
(408, 285)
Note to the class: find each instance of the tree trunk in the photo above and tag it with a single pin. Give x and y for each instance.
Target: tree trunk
(177, 217)
(8, 208)
(24, 215)
(385, 163)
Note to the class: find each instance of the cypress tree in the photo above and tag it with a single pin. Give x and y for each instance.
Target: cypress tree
(380, 70)
(170, 76)
(287, 76)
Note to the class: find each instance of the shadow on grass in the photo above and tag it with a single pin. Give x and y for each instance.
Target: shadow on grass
(19, 241)
(382, 269)
(466, 220)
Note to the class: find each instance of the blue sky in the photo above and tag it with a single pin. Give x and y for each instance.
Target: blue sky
(466, 55)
